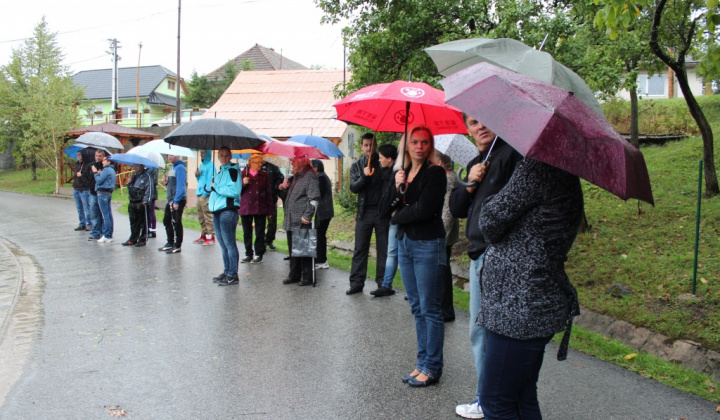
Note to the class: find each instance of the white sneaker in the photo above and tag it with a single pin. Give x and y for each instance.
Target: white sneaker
(102, 239)
(108, 239)
(322, 266)
(470, 411)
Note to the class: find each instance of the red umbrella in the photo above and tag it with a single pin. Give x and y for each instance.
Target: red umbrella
(291, 149)
(383, 107)
(551, 125)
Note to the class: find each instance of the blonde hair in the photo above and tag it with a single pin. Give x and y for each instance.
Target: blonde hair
(403, 152)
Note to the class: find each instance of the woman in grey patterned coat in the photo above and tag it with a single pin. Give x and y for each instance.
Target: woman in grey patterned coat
(297, 196)
(527, 297)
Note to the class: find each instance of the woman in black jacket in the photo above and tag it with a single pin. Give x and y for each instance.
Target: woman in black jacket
(421, 251)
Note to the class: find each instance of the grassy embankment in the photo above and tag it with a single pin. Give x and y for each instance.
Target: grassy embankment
(649, 249)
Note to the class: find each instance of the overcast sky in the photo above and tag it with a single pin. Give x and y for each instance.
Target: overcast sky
(211, 31)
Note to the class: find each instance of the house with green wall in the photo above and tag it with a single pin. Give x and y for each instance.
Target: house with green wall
(155, 94)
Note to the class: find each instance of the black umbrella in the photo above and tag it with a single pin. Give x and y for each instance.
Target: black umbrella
(212, 134)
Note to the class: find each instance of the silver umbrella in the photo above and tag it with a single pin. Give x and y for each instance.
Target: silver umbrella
(100, 139)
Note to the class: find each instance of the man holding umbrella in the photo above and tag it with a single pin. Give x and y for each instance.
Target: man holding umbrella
(140, 192)
(367, 182)
(175, 180)
(488, 173)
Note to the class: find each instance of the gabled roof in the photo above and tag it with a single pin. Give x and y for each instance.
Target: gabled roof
(98, 83)
(262, 59)
(283, 103)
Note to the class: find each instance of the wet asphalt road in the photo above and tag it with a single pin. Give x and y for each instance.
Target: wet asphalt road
(137, 330)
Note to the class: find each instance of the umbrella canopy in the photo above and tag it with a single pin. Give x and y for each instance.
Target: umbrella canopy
(457, 146)
(453, 56)
(291, 150)
(551, 125)
(155, 157)
(132, 159)
(394, 106)
(279, 161)
(98, 138)
(160, 146)
(212, 134)
(325, 145)
(76, 147)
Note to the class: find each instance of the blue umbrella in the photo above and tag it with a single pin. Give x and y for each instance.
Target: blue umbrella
(321, 143)
(74, 148)
(132, 159)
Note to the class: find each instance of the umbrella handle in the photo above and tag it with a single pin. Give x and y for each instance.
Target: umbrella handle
(403, 188)
(462, 182)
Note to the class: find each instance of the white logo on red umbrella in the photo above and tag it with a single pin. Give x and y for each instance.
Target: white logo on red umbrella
(365, 95)
(412, 92)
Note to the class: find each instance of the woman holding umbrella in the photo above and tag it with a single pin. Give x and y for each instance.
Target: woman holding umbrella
(421, 251)
(255, 203)
(224, 203)
(297, 196)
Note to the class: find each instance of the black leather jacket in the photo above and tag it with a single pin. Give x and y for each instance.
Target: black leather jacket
(359, 183)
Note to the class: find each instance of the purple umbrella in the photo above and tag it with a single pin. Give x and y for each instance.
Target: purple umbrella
(551, 125)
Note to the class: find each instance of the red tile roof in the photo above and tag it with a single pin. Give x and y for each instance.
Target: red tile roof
(283, 103)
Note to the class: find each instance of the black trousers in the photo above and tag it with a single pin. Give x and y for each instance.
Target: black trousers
(272, 222)
(446, 296)
(247, 222)
(301, 268)
(173, 223)
(322, 228)
(138, 214)
(363, 232)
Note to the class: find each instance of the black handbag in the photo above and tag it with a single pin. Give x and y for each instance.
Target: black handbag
(304, 243)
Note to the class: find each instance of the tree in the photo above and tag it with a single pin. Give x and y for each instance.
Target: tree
(678, 28)
(204, 92)
(38, 101)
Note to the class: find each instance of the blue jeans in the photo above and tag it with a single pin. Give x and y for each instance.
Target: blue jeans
(82, 203)
(95, 216)
(477, 333)
(510, 374)
(391, 263)
(103, 201)
(225, 223)
(422, 264)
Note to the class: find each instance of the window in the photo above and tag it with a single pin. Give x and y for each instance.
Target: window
(171, 85)
(651, 86)
(351, 145)
(127, 113)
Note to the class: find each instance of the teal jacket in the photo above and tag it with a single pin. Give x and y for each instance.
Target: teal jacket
(226, 190)
(205, 178)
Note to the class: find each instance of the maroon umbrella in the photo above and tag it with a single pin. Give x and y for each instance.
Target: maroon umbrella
(549, 124)
(291, 149)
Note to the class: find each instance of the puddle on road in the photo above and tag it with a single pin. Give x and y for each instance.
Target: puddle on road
(19, 327)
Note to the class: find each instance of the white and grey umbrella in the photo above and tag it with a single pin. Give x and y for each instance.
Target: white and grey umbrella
(155, 157)
(457, 146)
(160, 146)
(100, 139)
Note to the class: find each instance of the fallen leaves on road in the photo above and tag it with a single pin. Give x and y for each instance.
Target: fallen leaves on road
(115, 411)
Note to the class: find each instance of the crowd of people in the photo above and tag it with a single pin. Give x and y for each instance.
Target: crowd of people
(522, 218)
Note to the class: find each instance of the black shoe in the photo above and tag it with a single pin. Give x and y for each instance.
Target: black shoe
(167, 247)
(353, 290)
(247, 259)
(271, 245)
(80, 228)
(152, 235)
(257, 259)
(140, 243)
(448, 318)
(92, 238)
(290, 281)
(305, 283)
(219, 278)
(88, 228)
(407, 378)
(173, 250)
(287, 258)
(228, 280)
(431, 379)
(382, 291)
(128, 243)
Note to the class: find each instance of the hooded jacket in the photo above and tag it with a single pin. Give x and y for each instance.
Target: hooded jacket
(205, 178)
(177, 183)
(226, 190)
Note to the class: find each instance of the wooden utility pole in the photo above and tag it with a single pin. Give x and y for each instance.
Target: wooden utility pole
(138, 114)
(177, 84)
